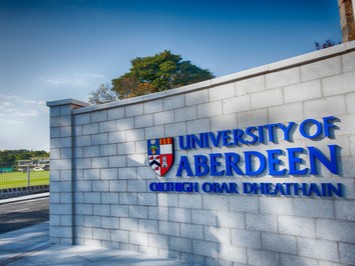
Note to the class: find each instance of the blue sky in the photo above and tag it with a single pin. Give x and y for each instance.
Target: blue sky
(57, 49)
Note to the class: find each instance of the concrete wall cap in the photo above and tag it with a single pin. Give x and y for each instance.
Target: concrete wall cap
(67, 102)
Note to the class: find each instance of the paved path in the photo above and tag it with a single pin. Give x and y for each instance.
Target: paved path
(19, 214)
(30, 246)
(15, 244)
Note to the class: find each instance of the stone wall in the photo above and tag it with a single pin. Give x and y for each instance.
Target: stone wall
(100, 176)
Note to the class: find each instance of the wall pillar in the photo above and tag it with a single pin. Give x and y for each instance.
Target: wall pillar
(347, 20)
(62, 207)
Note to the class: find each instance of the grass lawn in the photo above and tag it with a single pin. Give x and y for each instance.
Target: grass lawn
(19, 179)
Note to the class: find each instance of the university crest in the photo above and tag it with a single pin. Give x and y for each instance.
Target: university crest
(161, 154)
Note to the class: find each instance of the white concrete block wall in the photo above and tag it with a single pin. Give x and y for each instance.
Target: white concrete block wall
(100, 177)
(61, 198)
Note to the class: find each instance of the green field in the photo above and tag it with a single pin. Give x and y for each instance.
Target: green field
(19, 179)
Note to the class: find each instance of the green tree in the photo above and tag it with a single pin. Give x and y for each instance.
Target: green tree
(163, 71)
(9, 157)
(6, 157)
(103, 94)
(23, 156)
(328, 43)
(41, 153)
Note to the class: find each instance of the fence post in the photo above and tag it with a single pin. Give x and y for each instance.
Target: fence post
(28, 175)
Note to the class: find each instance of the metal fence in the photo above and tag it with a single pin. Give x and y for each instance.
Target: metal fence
(13, 178)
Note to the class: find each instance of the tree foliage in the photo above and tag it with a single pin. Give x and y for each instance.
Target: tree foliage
(9, 157)
(103, 94)
(163, 71)
(328, 43)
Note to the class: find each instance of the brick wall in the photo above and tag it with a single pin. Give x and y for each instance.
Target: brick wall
(100, 176)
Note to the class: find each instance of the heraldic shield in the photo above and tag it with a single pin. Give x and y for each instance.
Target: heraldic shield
(161, 154)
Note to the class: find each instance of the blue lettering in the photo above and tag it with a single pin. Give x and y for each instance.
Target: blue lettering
(248, 188)
(215, 164)
(274, 162)
(261, 134)
(215, 140)
(279, 189)
(287, 130)
(250, 132)
(184, 165)
(288, 188)
(303, 188)
(232, 159)
(153, 186)
(271, 130)
(206, 141)
(238, 137)
(306, 126)
(201, 166)
(316, 155)
(313, 189)
(187, 144)
(294, 161)
(248, 155)
(226, 138)
(207, 187)
(329, 127)
(233, 188)
(196, 141)
(338, 190)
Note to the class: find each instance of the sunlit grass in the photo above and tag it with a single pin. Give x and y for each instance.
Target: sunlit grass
(19, 179)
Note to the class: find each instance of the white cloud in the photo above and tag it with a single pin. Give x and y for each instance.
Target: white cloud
(72, 82)
(17, 113)
(35, 102)
(24, 123)
(94, 75)
(15, 107)
(75, 80)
